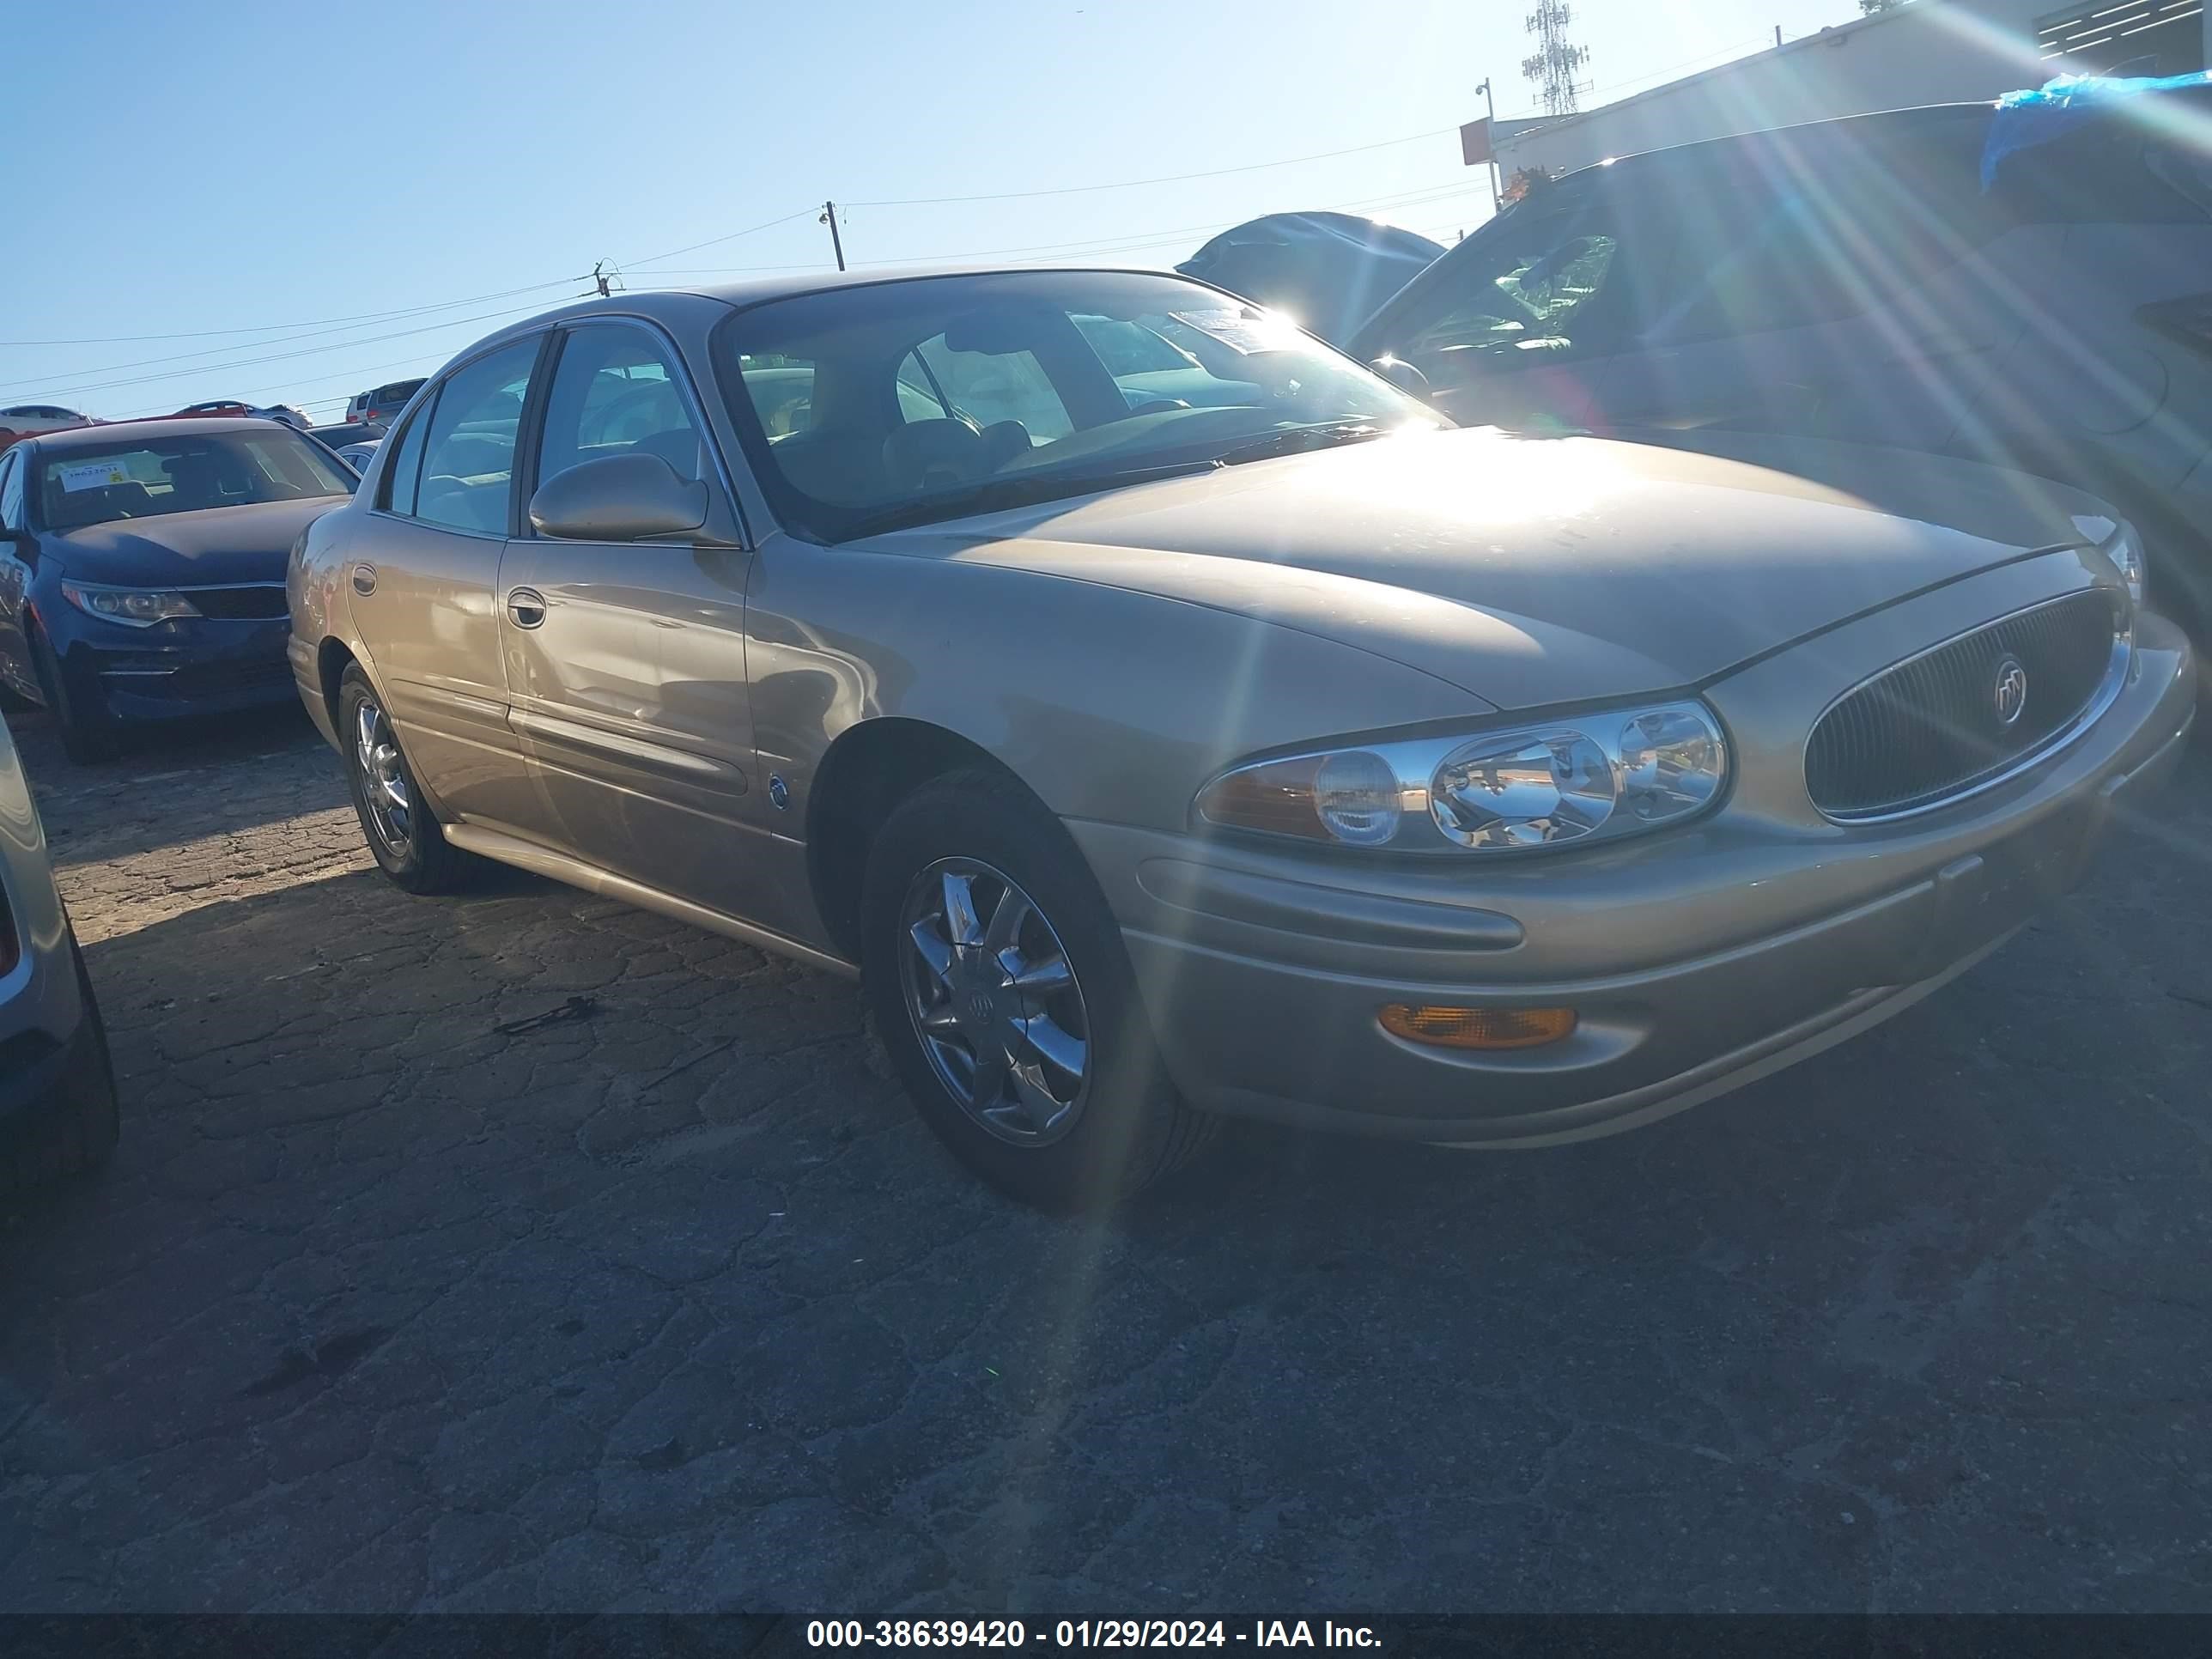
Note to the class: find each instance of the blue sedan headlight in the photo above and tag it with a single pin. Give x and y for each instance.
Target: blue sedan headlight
(134, 607)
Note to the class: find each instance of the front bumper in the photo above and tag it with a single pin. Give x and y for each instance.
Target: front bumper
(201, 668)
(1263, 971)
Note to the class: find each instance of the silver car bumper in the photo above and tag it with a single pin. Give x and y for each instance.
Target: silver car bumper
(1695, 962)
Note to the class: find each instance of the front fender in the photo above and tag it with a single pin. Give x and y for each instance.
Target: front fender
(314, 593)
(1110, 705)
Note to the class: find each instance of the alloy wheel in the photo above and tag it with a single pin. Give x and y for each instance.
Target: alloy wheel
(995, 1001)
(383, 779)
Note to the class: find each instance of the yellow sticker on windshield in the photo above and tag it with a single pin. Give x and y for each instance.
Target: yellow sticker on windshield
(92, 475)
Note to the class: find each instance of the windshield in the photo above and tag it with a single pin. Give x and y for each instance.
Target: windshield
(906, 401)
(151, 477)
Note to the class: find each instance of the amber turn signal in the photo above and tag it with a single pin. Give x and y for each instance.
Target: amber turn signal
(1477, 1027)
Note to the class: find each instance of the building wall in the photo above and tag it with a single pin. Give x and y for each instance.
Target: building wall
(1928, 52)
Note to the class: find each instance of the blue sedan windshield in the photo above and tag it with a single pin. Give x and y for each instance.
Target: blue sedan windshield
(146, 478)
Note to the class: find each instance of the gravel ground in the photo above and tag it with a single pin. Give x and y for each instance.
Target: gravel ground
(392, 1301)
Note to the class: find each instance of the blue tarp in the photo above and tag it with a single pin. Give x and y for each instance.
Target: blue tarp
(2040, 114)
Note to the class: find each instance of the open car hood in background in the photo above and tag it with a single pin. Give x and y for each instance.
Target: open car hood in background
(1329, 271)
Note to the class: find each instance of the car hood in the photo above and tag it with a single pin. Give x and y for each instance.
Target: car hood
(1528, 571)
(221, 544)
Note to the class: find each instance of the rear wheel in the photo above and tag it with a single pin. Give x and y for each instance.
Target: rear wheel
(88, 731)
(1000, 986)
(81, 1132)
(403, 834)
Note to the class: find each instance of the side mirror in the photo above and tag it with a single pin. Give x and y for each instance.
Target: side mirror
(618, 498)
(1401, 374)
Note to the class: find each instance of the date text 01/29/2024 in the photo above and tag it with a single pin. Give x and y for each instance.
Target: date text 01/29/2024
(1084, 1633)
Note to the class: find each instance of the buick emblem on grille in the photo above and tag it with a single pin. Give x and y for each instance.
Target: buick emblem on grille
(2009, 690)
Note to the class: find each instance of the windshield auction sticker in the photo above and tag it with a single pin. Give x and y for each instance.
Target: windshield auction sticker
(92, 475)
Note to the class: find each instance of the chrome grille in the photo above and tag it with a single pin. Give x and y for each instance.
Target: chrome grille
(1932, 727)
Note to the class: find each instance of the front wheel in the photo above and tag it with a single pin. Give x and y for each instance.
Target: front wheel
(88, 731)
(403, 834)
(1001, 988)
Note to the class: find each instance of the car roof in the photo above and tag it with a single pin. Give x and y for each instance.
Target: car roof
(102, 437)
(1856, 129)
(1803, 141)
(670, 304)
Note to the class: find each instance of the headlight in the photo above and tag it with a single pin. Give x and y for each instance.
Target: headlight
(134, 607)
(2125, 551)
(1540, 783)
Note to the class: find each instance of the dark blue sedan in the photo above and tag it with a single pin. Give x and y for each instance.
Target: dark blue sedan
(141, 570)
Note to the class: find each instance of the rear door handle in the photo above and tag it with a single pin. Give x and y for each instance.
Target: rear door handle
(364, 580)
(526, 605)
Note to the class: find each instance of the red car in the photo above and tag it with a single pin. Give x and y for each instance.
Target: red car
(222, 406)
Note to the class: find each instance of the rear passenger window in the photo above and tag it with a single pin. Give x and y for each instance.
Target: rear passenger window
(468, 456)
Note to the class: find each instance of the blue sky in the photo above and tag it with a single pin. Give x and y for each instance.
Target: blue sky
(298, 174)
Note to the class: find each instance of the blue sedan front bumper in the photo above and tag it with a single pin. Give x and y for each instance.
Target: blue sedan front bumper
(179, 670)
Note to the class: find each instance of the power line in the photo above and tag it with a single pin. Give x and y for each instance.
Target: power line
(276, 328)
(77, 385)
(183, 357)
(1095, 244)
(714, 241)
(280, 356)
(351, 377)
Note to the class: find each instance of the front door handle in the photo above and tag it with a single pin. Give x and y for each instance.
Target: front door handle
(526, 605)
(364, 580)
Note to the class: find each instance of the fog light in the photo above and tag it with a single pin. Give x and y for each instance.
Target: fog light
(1477, 1027)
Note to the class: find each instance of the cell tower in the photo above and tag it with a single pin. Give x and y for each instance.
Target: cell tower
(1551, 67)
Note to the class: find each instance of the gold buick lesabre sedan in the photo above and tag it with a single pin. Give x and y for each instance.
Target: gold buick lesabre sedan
(1166, 716)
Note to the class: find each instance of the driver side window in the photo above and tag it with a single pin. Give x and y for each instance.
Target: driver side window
(615, 391)
(1535, 290)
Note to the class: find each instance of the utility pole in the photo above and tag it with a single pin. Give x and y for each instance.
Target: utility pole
(1490, 109)
(1552, 66)
(836, 243)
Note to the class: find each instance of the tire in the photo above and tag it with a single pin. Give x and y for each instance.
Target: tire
(403, 834)
(88, 735)
(80, 1136)
(1054, 1138)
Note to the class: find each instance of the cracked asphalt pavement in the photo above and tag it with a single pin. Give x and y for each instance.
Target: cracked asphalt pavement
(523, 1251)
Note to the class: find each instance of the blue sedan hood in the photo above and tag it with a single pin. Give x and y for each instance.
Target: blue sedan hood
(189, 549)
